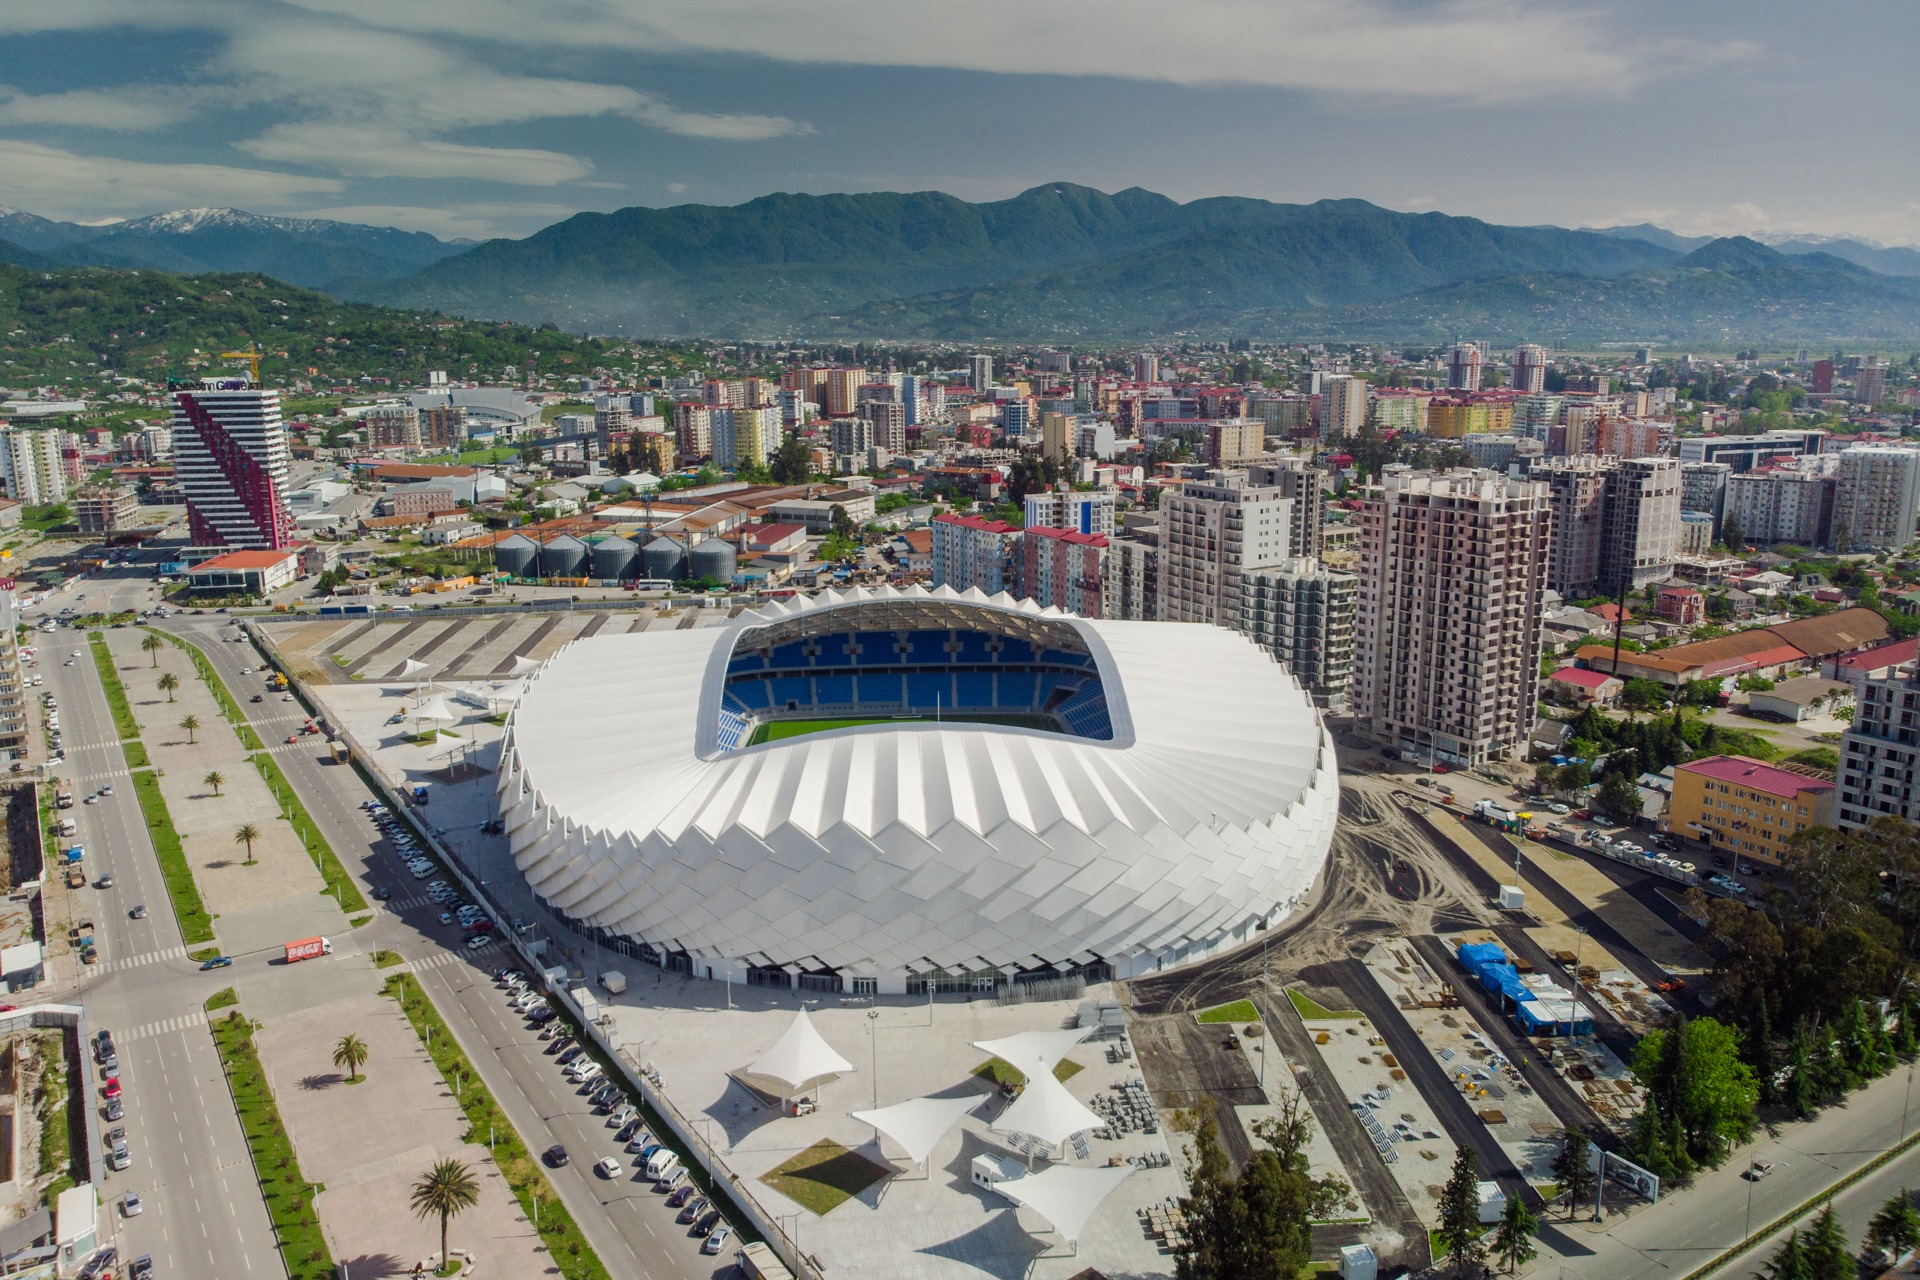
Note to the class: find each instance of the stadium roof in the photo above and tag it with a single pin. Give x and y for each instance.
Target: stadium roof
(885, 849)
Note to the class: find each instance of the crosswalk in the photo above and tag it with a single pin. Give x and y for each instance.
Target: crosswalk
(184, 1022)
(440, 959)
(135, 962)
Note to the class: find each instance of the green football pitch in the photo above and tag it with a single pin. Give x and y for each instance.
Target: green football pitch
(774, 730)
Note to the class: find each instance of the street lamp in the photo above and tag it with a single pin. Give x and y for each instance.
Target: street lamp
(873, 1046)
(1261, 929)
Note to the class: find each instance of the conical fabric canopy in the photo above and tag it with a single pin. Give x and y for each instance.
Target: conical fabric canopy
(523, 665)
(1050, 1046)
(435, 708)
(1065, 1195)
(1044, 1109)
(412, 667)
(919, 1125)
(799, 1056)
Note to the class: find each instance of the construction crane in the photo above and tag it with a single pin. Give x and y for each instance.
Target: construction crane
(251, 355)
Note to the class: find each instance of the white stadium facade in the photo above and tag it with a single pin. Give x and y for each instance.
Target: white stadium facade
(1033, 795)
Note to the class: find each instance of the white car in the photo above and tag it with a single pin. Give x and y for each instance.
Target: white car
(478, 941)
(610, 1168)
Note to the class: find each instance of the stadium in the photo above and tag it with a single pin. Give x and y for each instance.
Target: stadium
(879, 791)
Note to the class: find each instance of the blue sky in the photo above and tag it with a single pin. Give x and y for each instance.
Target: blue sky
(497, 117)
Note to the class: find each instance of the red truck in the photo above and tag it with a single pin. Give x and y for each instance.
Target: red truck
(308, 949)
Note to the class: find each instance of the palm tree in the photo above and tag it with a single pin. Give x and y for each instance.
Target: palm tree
(350, 1053)
(246, 835)
(152, 645)
(168, 683)
(216, 780)
(190, 724)
(447, 1189)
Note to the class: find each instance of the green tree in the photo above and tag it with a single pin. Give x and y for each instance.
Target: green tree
(448, 1189)
(246, 834)
(152, 645)
(167, 683)
(1570, 1169)
(1695, 1076)
(216, 780)
(1513, 1238)
(1640, 694)
(1732, 534)
(1460, 1214)
(1618, 797)
(1789, 1261)
(1246, 1228)
(1827, 1255)
(843, 526)
(192, 725)
(351, 1053)
(792, 462)
(1893, 1230)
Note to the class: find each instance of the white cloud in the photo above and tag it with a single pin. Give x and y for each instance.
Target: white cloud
(135, 109)
(1899, 225)
(374, 151)
(698, 124)
(60, 183)
(470, 221)
(1473, 50)
(676, 188)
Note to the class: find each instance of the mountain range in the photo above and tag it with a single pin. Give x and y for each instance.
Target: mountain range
(1058, 262)
(312, 252)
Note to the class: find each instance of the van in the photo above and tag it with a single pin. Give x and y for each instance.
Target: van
(661, 1163)
(671, 1181)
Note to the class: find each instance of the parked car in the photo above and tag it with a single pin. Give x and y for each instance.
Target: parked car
(718, 1240)
(610, 1168)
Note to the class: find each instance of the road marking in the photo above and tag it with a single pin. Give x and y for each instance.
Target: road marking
(197, 1018)
(151, 957)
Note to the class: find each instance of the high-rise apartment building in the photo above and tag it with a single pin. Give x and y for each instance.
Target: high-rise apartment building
(1530, 368)
(230, 458)
(1641, 533)
(1789, 501)
(1209, 533)
(1880, 752)
(1821, 382)
(969, 551)
(1870, 384)
(1081, 512)
(1463, 366)
(1057, 437)
(444, 426)
(1877, 499)
(1130, 576)
(980, 372)
(693, 430)
(1146, 367)
(889, 419)
(391, 426)
(33, 464)
(740, 436)
(104, 508)
(1630, 437)
(1703, 487)
(1301, 483)
(1232, 441)
(1303, 614)
(1063, 568)
(1447, 633)
(1343, 405)
(843, 391)
(14, 713)
(1577, 491)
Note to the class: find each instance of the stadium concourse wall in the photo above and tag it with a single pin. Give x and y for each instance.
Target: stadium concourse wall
(687, 1138)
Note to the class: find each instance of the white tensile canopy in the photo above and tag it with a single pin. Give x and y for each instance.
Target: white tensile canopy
(1065, 1195)
(435, 708)
(799, 1056)
(919, 1124)
(412, 667)
(523, 665)
(1044, 1109)
(1051, 1046)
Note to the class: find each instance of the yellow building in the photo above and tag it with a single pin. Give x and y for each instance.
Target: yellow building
(1747, 808)
(1449, 418)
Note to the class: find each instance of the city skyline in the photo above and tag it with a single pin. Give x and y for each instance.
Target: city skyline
(485, 119)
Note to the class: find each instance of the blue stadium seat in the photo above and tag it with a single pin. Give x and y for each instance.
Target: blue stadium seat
(733, 730)
(833, 691)
(973, 648)
(876, 649)
(747, 662)
(787, 656)
(732, 704)
(791, 689)
(927, 691)
(1014, 649)
(927, 648)
(973, 690)
(1016, 690)
(1050, 681)
(878, 690)
(1064, 658)
(752, 694)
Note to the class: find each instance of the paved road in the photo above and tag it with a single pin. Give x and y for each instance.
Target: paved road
(1688, 1230)
(203, 1213)
(633, 1239)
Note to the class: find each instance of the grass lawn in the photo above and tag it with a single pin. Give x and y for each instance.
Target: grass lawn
(572, 1256)
(1003, 1072)
(289, 1196)
(123, 722)
(1756, 743)
(331, 870)
(385, 959)
(221, 999)
(775, 730)
(824, 1176)
(196, 923)
(1310, 1008)
(1237, 1011)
